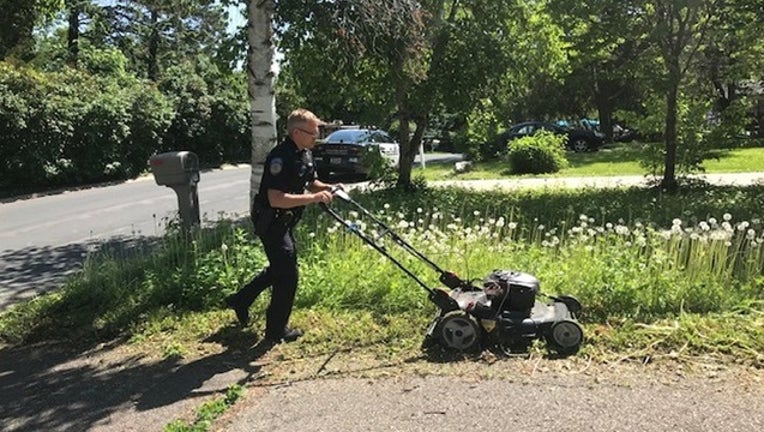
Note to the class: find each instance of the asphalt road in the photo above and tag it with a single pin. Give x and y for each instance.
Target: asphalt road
(44, 238)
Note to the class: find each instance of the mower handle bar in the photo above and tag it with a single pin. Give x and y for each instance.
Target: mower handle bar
(449, 279)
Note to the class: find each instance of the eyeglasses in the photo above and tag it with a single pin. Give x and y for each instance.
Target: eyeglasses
(311, 133)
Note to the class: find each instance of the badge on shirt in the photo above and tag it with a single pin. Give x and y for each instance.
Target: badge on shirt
(276, 166)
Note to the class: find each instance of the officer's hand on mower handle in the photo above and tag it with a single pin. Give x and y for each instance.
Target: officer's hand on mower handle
(338, 190)
(323, 197)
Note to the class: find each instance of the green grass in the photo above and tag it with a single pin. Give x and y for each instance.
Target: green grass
(652, 270)
(208, 412)
(618, 160)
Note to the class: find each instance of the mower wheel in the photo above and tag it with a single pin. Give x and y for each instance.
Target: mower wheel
(458, 330)
(565, 337)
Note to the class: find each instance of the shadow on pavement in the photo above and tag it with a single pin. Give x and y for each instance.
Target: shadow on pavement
(53, 387)
(34, 270)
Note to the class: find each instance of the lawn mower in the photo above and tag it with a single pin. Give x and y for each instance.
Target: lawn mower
(506, 311)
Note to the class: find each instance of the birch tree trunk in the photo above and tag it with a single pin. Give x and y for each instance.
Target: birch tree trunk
(260, 76)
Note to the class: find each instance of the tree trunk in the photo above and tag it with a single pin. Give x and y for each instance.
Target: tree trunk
(406, 159)
(260, 77)
(669, 182)
(605, 112)
(73, 34)
(152, 60)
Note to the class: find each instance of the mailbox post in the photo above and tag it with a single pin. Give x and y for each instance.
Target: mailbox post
(179, 170)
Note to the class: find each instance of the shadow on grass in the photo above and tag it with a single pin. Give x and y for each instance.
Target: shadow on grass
(55, 387)
(34, 270)
(619, 154)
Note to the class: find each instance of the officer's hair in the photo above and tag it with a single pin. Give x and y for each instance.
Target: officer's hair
(299, 117)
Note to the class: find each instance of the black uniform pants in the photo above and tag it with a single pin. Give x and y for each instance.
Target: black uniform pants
(281, 274)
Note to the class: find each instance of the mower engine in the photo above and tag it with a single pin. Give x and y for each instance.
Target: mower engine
(506, 312)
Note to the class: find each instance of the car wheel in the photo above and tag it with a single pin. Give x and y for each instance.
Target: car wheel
(580, 145)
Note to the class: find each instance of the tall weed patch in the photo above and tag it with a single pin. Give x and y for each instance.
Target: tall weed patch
(640, 271)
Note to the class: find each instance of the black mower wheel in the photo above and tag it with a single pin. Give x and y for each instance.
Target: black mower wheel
(565, 337)
(459, 331)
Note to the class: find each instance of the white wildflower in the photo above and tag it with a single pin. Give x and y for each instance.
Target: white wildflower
(727, 217)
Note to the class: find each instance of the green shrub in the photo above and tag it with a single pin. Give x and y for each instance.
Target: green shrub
(379, 169)
(543, 152)
(72, 127)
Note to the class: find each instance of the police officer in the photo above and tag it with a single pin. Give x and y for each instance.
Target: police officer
(276, 209)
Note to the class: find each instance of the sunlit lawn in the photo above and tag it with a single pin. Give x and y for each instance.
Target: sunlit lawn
(617, 161)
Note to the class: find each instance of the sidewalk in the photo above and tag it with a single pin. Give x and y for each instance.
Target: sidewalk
(732, 179)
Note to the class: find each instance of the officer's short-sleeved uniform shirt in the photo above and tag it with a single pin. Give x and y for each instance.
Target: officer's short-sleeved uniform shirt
(289, 170)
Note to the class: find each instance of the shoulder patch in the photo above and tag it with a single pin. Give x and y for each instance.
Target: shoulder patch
(277, 164)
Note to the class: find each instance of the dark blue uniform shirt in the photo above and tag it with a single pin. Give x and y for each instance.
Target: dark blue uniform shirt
(289, 170)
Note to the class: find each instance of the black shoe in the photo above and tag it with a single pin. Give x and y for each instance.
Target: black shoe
(242, 313)
(288, 335)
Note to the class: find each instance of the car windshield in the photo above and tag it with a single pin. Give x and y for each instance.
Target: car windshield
(350, 136)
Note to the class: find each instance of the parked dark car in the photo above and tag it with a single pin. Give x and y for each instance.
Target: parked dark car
(342, 151)
(579, 140)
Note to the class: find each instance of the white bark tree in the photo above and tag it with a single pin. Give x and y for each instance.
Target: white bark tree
(260, 74)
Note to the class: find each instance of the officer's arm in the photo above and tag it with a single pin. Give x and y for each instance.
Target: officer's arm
(318, 186)
(283, 200)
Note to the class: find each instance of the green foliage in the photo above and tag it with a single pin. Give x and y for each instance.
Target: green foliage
(480, 136)
(380, 170)
(542, 152)
(407, 60)
(699, 135)
(98, 123)
(72, 127)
